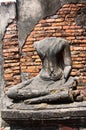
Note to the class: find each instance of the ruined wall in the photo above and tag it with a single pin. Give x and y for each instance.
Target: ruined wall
(11, 55)
(67, 23)
(7, 15)
(30, 12)
(62, 24)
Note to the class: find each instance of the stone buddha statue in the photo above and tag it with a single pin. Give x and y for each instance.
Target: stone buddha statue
(53, 84)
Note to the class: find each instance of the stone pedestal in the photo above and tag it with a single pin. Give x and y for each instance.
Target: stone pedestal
(51, 116)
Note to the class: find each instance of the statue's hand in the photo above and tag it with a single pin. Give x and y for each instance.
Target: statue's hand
(67, 70)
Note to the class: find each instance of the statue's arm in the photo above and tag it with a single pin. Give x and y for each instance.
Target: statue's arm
(67, 61)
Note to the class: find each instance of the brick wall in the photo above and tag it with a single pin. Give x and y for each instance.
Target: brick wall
(62, 24)
(11, 55)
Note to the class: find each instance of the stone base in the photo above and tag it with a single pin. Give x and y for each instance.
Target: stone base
(68, 114)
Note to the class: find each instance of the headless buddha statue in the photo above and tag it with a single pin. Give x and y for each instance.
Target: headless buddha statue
(53, 84)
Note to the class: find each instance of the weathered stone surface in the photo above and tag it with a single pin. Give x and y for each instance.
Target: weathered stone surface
(81, 17)
(70, 114)
(7, 14)
(45, 106)
(9, 11)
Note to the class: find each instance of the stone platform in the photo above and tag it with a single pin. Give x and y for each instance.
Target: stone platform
(73, 114)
